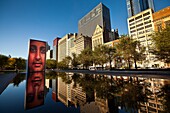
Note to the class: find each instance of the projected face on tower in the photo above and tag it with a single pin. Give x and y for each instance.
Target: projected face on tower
(37, 56)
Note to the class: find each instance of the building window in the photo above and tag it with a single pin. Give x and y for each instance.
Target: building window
(140, 29)
(147, 18)
(131, 20)
(147, 22)
(133, 31)
(138, 17)
(132, 27)
(150, 25)
(131, 24)
(139, 25)
(147, 13)
(141, 37)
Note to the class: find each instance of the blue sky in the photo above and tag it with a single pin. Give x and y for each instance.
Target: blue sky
(21, 20)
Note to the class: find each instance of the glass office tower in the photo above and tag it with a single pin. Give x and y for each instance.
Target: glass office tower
(100, 15)
(136, 6)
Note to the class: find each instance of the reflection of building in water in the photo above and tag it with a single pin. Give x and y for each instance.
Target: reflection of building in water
(47, 86)
(154, 104)
(67, 94)
(55, 89)
(63, 91)
(47, 83)
(78, 97)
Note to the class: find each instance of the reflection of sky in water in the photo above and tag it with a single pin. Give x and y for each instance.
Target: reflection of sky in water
(12, 101)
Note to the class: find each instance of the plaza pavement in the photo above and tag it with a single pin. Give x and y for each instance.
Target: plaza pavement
(5, 79)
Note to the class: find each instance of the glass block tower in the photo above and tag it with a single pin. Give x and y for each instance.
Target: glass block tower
(136, 6)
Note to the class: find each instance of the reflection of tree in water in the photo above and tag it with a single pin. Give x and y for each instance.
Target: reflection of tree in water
(164, 94)
(126, 93)
(51, 75)
(65, 77)
(132, 95)
(88, 83)
(18, 79)
(76, 79)
(119, 92)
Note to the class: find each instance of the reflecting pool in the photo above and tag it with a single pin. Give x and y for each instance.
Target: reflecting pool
(87, 93)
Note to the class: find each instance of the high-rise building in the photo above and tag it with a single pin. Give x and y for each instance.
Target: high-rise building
(136, 6)
(55, 49)
(64, 46)
(140, 28)
(100, 15)
(81, 43)
(71, 44)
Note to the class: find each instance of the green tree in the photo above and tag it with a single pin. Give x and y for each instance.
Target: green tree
(11, 63)
(61, 65)
(64, 64)
(20, 63)
(99, 55)
(137, 51)
(74, 60)
(161, 47)
(67, 61)
(51, 64)
(111, 54)
(3, 61)
(85, 57)
(123, 48)
(131, 50)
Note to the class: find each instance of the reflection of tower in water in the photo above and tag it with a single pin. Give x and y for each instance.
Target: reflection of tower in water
(71, 95)
(154, 103)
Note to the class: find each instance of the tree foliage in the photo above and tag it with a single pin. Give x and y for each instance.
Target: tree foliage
(12, 63)
(3, 61)
(51, 64)
(123, 48)
(85, 57)
(161, 47)
(64, 64)
(130, 50)
(74, 60)
(20, 63)
(99, 55)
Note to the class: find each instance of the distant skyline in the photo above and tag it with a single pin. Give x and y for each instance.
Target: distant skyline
(21, 20)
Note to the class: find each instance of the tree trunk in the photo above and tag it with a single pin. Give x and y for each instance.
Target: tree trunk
(135, 64)
(129, 63)
(110, 64)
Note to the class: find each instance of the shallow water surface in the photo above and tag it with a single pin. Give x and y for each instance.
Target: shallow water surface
(90, 93)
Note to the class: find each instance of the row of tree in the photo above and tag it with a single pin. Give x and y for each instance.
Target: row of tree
(127, 49)
(8, 63)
